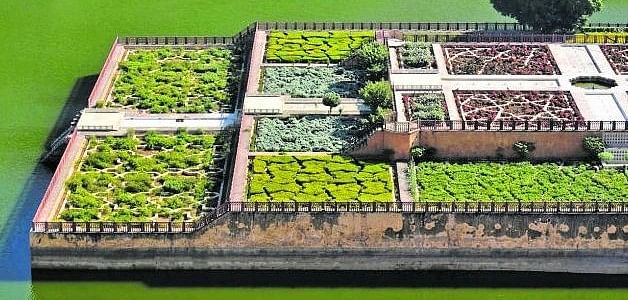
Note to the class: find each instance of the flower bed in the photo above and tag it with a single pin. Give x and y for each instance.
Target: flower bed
(516, 105)
(174, 80)
(518, 182)
(617, 56)
(307, 134)
(304, 82)
(153, 178)
(416, 56)
(318, 178)
(428, 106)
(499, 59)
(315, 46)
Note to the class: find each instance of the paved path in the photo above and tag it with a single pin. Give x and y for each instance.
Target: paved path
(402, 179)
(257, 58)
(239, 176)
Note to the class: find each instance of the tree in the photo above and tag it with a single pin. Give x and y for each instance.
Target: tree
(372, 57)
(331, 99)
(377, 94)
(549, 15)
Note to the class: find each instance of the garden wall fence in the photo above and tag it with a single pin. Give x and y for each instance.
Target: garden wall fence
(501, 207)
(416, 26)
(479, 37)
(504, 125)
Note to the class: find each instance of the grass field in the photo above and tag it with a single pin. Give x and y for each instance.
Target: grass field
(49, 45)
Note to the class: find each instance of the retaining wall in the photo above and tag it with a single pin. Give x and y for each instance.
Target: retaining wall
(594, 243)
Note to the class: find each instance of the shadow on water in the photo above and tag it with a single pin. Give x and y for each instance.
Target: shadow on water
(14, 243)
(261, 278)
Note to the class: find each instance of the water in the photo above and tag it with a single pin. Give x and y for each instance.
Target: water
(51, 50)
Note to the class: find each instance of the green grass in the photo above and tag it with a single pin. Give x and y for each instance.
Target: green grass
(49, 45)
(137, 291)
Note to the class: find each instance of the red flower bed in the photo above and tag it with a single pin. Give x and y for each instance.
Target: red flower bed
(617, 56)
(516, 106)
(499, 59)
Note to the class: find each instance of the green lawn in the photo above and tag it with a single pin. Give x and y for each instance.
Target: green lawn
(48, 45)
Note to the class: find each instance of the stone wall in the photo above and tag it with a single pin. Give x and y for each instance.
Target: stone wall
(374, 241)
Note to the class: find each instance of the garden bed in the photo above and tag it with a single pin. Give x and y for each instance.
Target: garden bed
(427, 106)
(314, 46)
(175, 80)
(152, 178)
(499, 59)
(516, 106)
(311, 82)
(416, 56)
(307, 134)
(617, 56)
(318, 178)
(518, 182)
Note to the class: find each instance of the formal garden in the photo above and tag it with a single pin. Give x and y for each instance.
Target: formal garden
(318, 178)
(176, 80)
(617, 56)
(155, 177)
(499, 59)
(516, 106)
(314, 46)
(524, 181)
(307, 134)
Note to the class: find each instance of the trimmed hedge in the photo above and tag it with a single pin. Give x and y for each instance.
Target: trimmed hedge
(315, 46)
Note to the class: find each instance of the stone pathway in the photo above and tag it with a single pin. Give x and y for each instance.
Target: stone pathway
(239, 176)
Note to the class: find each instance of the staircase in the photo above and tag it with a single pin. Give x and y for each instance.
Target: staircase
(617, 143)
(56, 147)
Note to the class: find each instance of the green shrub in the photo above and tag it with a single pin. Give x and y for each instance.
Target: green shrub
(331, 99)
(130, 200)
(593, 145)
(177, 184)
(372, 57)
(137, 182)
(302, 82)
(605, 156)
(417, 55)
(81, 198)
(79, 215)
(377, 94)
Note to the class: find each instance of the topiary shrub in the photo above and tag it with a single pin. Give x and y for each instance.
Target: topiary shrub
(593, 145)
(331, 99)
(523, 148)
(377, 94)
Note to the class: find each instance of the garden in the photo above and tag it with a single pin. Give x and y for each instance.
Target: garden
(516, 106)
(499, 59)
(314, 46)
(427, 106)
(151, 178)
(416, 55)
(518, 182)
(318, 178)
(307, 134)
(312, 82)
(617, 56)
(175, 80)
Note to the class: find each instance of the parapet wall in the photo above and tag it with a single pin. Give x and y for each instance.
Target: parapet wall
(588, 243)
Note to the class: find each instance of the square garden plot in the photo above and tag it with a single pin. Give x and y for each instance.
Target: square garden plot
(314, 46)
(516, 106)
(617, 56)
(499, 59)
(151, 178)
(425, 106)
(311, 82)
(307, 134)
(518, 182)
(416, 55)
(176, 80)
(318, 178)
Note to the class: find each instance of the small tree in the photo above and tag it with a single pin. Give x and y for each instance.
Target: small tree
(549, 15)
(372, 57)
(377, 94)
(331, 99)
(593, 145)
